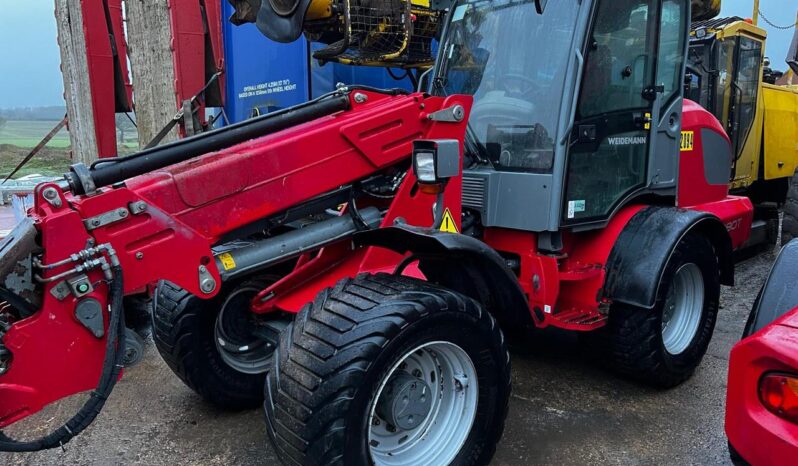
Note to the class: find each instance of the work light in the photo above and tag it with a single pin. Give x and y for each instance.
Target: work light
(435, 161)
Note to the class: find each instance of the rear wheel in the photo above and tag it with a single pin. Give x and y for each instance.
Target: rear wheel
(388, 370)
(217, 347)
(664, 345)
(789, 225)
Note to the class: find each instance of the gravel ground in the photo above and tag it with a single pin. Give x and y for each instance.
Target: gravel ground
(564, 410)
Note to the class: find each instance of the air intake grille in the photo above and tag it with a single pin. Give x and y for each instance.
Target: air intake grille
(474, 192)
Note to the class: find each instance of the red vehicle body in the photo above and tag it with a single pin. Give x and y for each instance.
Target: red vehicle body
(193, 204)
(759, 432)
(757, 435)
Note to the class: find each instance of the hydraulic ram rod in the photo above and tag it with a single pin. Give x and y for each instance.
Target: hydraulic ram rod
(82, 180)
(272, 251)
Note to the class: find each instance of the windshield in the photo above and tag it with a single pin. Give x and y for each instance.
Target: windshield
(513, 61)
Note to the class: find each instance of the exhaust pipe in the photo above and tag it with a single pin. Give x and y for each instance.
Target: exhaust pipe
(263, 254)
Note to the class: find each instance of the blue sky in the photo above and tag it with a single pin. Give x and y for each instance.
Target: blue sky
(29, 58)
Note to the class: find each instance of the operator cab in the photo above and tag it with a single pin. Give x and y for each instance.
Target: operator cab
(576, 111)
(725, 74)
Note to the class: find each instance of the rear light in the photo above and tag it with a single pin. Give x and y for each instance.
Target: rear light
(779, 393)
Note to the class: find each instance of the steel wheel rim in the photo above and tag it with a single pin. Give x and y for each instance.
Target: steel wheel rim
(449, 372)
(684, 305)
(245, 353)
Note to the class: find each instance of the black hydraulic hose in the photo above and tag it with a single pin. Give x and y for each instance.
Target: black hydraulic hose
(114, 356)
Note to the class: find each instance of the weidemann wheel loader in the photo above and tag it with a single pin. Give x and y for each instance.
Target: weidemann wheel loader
(354, 263)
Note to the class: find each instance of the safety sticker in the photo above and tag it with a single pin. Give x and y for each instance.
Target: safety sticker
(227, 261)
(449, 225)
(575, 207)
(688, 139)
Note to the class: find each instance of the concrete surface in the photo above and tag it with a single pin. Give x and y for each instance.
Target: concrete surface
(564, 410)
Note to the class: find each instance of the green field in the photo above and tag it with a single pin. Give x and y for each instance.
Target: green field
(18, 137)
(28, 133)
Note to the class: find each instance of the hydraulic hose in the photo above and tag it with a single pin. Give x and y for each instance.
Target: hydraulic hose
(114, 356)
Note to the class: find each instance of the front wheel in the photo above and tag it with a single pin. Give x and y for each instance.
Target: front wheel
(664, 345)
(217, 347)
(389, 370)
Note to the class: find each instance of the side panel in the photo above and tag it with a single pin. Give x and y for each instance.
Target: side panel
(704, 160)
(781, 131)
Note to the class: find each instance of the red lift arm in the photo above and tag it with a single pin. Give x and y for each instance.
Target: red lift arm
(162, 224)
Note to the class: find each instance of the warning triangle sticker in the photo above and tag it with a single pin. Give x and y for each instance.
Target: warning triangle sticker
(448, 225)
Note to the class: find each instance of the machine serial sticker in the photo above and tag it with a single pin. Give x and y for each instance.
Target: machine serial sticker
(227, 261)
(449, 225)
(688, 138)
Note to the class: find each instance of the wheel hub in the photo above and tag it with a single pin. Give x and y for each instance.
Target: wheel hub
(683, 308)
(425, 407)
(245, 343)
(406, 402)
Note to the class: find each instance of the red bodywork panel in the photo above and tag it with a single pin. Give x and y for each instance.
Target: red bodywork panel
(191, 205)
(757, 434)
(197, 53)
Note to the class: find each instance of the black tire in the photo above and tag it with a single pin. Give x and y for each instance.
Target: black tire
(183, 331)
(632, 343)
(330, 361)
(789, 224)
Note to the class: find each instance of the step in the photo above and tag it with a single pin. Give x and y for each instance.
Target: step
(581, 320)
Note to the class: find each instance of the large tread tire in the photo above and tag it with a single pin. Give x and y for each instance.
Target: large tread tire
(789, 224)
(632, 343)
(183, 331)
(340, 346)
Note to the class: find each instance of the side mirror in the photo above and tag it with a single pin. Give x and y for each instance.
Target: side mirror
(540, 5)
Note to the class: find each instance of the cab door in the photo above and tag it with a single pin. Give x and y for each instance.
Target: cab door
(622, 97)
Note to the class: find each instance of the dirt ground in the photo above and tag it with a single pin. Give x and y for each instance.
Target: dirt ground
(564, 410)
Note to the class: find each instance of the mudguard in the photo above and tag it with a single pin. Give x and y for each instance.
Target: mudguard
(779, 295)
(460, 263)
(645, 245)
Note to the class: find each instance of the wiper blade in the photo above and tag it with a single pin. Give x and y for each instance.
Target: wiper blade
(477, 149)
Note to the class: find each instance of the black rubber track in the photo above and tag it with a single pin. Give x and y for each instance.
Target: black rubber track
(631, 343)
(333, 356)
(789, 225)
(183, 331)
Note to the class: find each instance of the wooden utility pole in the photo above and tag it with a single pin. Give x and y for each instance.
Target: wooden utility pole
(149, 39)
(755, 16)
(75, 71)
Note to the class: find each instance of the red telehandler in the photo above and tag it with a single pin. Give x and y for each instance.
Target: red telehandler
(354, 263)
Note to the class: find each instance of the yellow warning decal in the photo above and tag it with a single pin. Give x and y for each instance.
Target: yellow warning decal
(227, 261)
(648, 121)
(688, 139)
(449, 225)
